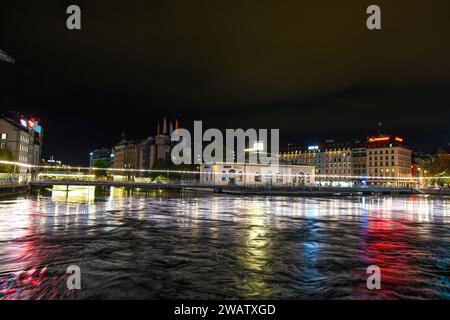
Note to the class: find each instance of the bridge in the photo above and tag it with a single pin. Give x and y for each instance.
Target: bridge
(231, 189)
(118, 184)
(35, 177)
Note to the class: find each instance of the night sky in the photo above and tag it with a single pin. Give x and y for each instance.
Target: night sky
(310, 68)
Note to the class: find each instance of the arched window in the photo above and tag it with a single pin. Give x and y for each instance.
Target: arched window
(257, 176)
(231, 178)
(240, 176)
(269, 177)
(224, 176)
(279, 177)
(301, 178)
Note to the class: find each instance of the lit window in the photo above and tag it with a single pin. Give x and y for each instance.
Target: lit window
(3, 136)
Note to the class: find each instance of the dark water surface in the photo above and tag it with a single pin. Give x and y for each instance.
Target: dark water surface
(200, 246)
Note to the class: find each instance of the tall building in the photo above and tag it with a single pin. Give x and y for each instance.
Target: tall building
(336, 158)
(381, 160)
(359, 161)
(144, 154)
(333, 160)
(126, 156)
(305, 155)
(388, 156)
(105, 155)
(23, 137)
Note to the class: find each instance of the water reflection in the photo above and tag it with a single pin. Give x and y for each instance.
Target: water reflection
(153, 244)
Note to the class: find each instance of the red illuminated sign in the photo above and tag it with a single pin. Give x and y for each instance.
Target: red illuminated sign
(377, 139)
(384, 138)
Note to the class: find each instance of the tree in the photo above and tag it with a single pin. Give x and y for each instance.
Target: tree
(187, 174)
(6, 155)
(102, 164)
(439, 169)
(160, 164)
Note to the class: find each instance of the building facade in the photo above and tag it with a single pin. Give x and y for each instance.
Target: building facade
(380, 160)
(23, 138)
(105, 155)
(388, 161)
(143, 155)
(245, 174)
(126, 158)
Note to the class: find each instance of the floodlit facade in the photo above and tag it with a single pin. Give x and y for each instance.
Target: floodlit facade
(23, 138)
(388, 161)
(245, 174)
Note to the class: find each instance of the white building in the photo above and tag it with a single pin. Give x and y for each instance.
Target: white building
(245, 174)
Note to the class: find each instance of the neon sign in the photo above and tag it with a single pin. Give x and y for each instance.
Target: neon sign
(378, 139)
(30, 124)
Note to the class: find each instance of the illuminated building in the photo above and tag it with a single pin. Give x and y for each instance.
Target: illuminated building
(330, 158)
(126, 155)
(359, 161)
(381, 157)
(309, 155)
(134, 154)
(336, 158)
(23, 137)
(420, 163)
(388, 156)
(245, 174)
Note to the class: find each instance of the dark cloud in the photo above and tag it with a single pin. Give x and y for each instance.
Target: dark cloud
(310, 68)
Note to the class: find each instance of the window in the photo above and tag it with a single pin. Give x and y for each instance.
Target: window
(3, 145)
(4, 136)
(279, 178)
(257, 176)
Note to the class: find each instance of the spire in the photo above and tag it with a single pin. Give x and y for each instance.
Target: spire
(123, 136)
(165, 126)
(380, 125)
(158, 129)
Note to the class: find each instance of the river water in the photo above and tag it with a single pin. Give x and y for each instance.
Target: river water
(135, 245)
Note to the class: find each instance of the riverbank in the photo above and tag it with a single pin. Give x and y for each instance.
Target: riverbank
(328, 191)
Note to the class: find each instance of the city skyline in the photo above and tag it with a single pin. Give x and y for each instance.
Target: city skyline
(222, 159)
